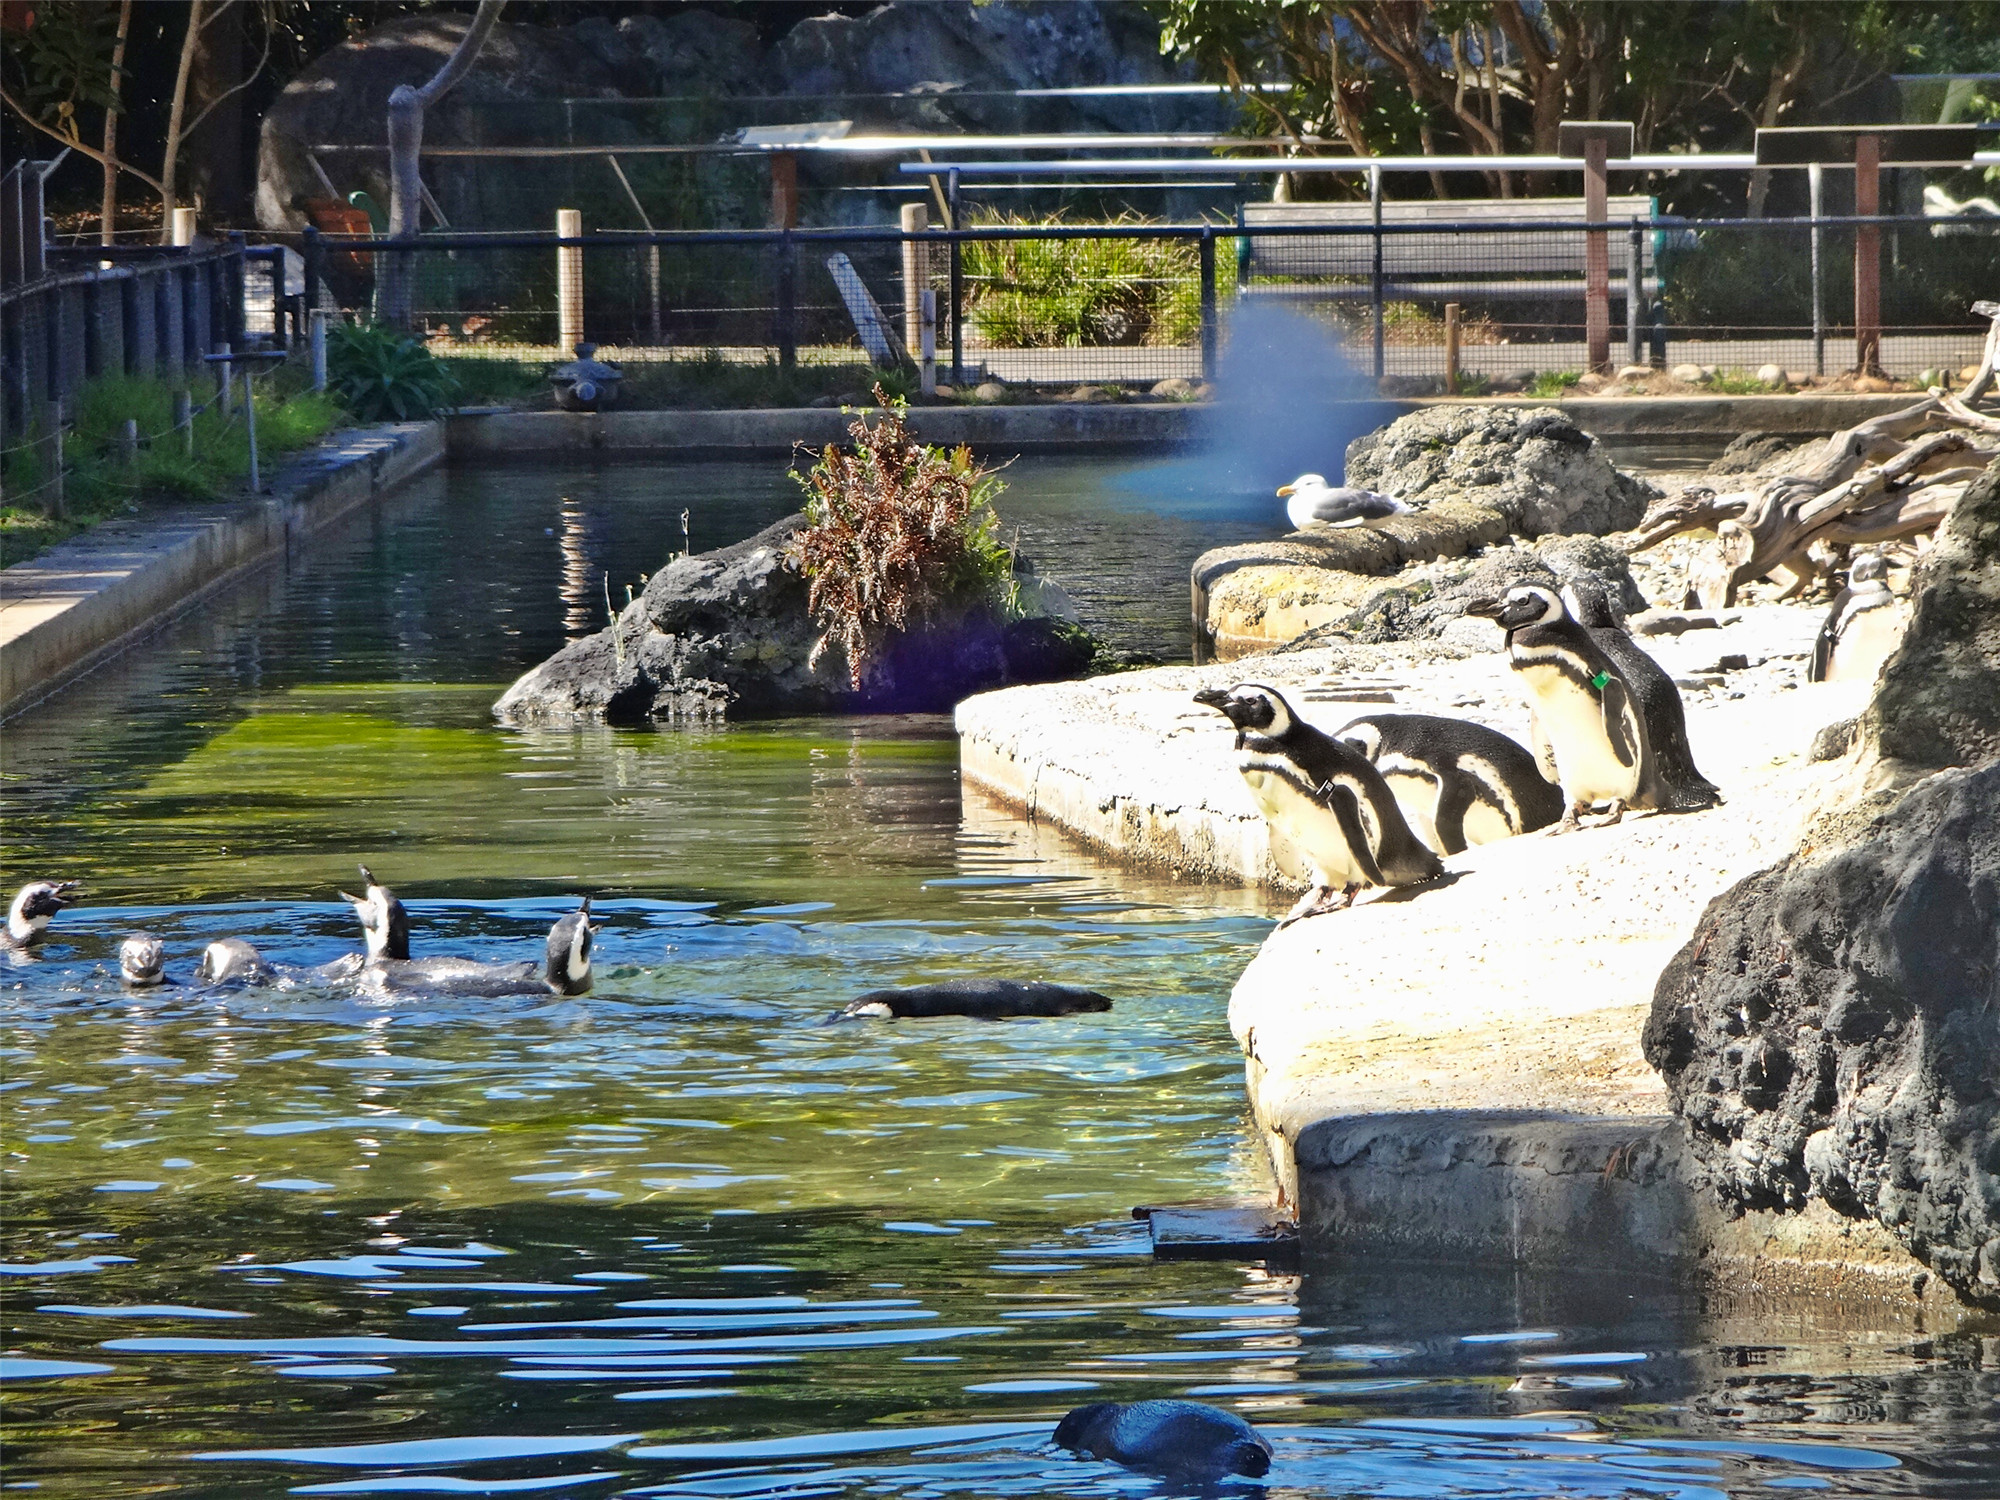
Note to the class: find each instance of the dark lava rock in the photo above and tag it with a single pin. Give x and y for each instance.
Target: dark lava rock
(1750, 451)
(727, 633)
(1833, 1031)
(982, 999)
(1533, 465)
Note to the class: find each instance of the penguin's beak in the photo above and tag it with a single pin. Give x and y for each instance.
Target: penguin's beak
(1216, 698)
(355, 901)
(1290, 489)
(1489, 609)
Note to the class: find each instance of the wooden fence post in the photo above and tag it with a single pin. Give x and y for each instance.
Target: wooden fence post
(569, 281)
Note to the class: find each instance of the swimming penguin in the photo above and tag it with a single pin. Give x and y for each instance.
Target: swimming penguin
(1324, 796)
(985, 999)
(1182, 1439)
(1590, 719)
(1861, 629)
(142, 960)
(1316, 503)
(233, 961)
(385, 928)
(1457, 782)
(34, 904)
(1678, 785)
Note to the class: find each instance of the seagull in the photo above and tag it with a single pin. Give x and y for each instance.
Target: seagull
(1314, 503)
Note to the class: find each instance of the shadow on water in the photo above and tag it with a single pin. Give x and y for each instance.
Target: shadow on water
(679, 1236)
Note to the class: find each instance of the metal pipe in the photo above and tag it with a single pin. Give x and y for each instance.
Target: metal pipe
(953, 216)
(317, 322)
(1208, 328)
(1635, 289)
(1375, 303)
(1815, 179)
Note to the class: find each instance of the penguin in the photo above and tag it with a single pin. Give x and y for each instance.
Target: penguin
(142, 961)
(1324, 796)
(388, 967)
(985, 999)
(233, 961)
(1458, 783)
(1316, 503)
(1181, 1439)
(1677, 783)
(34, 904)
(1589, 719)
(1855, 625)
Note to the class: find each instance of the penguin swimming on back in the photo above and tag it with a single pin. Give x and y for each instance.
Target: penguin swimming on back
(1322, 795)
(34, 905)
(1458, 783)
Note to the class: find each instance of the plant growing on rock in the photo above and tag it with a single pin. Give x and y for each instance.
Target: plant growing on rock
(897, 535)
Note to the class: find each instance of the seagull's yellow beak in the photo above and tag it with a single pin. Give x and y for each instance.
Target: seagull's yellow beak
(1288, 489)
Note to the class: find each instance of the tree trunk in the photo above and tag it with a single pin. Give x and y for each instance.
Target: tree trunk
(406, 142)
(108, 233)
(170, 162)
(215, 173)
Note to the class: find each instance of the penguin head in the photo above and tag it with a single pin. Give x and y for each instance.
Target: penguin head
(142, 959)
(1590, 604)
(568, 971)
(385, 926)
(1524, 604)
(34, 904)
(1252, 707)
(1867, 567)
(229, 960)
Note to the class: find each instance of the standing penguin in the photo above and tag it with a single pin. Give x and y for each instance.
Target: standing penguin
(1458, 783)
(1590, 718)
(1324, 796)
(1861, 629)
(1679, 785)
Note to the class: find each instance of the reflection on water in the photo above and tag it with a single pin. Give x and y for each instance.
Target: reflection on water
(681, 1236)
(580, 577)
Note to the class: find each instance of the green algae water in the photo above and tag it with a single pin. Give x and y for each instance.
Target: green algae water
(680, 1236)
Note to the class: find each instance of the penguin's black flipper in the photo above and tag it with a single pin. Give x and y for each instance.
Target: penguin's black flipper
(1828, 638)
(1621, 722)
(1456, 793)
(1341, 801)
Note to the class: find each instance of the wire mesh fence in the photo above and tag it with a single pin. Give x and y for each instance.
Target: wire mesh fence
(1132, 302)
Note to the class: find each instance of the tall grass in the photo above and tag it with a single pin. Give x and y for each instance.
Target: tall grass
(1048, 294)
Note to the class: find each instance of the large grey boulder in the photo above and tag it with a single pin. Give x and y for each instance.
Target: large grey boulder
(1832, 1030)
(1424, 608)
(726, 634)
(1533, 465)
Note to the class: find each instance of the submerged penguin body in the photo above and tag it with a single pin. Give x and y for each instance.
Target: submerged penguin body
(1182, 1439)
(982, 999)
(389, 968)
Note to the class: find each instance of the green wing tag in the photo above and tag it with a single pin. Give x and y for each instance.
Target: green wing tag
(1601, 681)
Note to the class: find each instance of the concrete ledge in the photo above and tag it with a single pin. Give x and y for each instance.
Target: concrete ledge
(79, 603)
(1078, 427)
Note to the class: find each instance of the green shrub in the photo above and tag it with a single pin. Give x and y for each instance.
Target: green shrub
(381, 375)
(1554, 383)
(1045, 294)
(897, 535)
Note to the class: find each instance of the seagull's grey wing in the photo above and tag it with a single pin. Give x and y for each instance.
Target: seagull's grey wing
(1337, 506)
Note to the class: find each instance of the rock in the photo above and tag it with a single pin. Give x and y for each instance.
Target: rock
(1833, 740)
(1407, 386)
(727, 633)
(1750, 451)
(1173, 389)
(1534, 466)
(1513, 381)
(1798, 379)
(1092, 394)
(1688, 374)
(1669, 622)
(696, 51)
(989, 392)
(1832, 1031)
(1204, 391)
(1635, 372)
(948, 393)
(1590, 380)
(1403, 612)
(1967, 374)
(1771, 375)
(1873, 385)
(1938, 700)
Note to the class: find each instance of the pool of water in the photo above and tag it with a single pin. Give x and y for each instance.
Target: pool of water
(681, 1236)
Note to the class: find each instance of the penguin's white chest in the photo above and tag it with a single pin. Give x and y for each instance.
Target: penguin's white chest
(1572, 720)
(1308, 824)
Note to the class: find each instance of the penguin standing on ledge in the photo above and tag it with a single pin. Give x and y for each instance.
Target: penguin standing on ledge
(1590, 719)
(1458, 783)
(1324, 796)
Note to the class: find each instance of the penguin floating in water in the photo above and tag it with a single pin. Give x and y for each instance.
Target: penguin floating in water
(1180, 1439)
(1599, 733)
(983, 999)
(1324, 796)
(385, 929)
(34, 904)
(1861, 629)
(142, 960)
(233, 961)
(1314, 502)
(1458, 783)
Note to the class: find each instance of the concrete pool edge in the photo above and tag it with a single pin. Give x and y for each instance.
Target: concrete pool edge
(82, 602)
(1079, 427)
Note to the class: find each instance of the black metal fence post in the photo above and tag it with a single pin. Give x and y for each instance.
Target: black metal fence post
(314, 254)
(1207, 303)
(957, 281)
(1375, 274)
(232, 288)
(788, 313)
(1635, 289)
